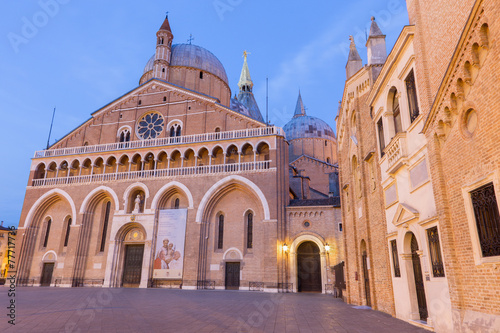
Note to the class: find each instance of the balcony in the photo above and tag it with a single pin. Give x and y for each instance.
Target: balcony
(396, 152)
(257, 166)
(160, 142)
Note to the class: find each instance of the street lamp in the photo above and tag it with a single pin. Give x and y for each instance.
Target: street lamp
(327, 249)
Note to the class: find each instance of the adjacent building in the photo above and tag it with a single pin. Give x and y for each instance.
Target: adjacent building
(430, 115)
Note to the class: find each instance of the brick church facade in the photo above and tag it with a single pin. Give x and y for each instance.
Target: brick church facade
(176, 184)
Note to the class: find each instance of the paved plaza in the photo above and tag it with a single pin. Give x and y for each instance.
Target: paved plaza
(163, 310)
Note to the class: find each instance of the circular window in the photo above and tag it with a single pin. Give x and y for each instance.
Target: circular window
(150, 126)
(307, 224)
(469, 123)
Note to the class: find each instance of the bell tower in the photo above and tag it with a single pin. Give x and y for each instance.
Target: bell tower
(163, 53)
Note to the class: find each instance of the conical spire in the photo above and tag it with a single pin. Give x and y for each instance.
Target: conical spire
(354, 62)
(300, 110)
(353, 51)
(245, 96)
(374, 29)
(166, 25)
(245, 83)
(376, 48)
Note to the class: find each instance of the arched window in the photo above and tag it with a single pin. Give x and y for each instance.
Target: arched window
(396, 114)
(356, 175)
(105, 226)
(220, 239)
(381, 140)
(249, 230)
(176, 203)
(66, 238)
(125, 135)
(47, 231)
(175, 130)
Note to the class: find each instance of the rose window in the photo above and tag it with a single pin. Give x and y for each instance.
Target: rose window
(150, 126)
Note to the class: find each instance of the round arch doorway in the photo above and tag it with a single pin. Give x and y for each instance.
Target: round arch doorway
(308, 268)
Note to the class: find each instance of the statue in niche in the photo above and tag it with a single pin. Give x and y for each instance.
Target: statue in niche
(138, 205)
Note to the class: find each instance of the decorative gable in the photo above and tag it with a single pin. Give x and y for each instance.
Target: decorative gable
(404, 214)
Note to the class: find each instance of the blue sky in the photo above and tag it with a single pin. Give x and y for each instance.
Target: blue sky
(80, 55)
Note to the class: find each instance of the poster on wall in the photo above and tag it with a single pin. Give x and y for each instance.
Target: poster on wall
(169, 252)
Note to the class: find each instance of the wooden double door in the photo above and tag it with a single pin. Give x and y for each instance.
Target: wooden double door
(232, 275)
(419, 281)
(308, 268)
(46, 279)
(132, 267)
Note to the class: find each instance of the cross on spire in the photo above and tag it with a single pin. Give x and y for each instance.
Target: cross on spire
(191, 38)
(166, 14)
(245, 54)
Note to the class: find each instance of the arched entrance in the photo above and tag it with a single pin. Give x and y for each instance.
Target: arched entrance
(419, 281)
(130, 257)
(308, 268)
(48, 263)
(134, 253)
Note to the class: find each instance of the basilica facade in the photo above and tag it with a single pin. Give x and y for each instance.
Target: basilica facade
(177, 184)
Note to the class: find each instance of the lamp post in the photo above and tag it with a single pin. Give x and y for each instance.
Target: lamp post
(285, 249)
(327, 250)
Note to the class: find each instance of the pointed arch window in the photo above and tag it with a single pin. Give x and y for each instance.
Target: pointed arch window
(396, 113)
(105, 226)
(47, 231)
(220, 238)
(381, 141)
(176, 203)
(249, 231)
(125, 135)
(175, 130)
(66, 238)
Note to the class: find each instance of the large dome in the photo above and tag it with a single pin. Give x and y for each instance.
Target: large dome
(188, 55)
(308, 127)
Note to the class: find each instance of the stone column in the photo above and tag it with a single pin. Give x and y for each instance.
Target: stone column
(146, 259)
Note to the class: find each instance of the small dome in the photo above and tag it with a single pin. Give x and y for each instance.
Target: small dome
(308, 127)
(188, 55)
(149, 65)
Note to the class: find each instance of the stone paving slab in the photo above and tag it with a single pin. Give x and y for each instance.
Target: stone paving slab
(163, 310)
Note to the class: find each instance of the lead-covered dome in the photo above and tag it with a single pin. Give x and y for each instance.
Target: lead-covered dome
(193, 56)
(303, 126)
(308, 127)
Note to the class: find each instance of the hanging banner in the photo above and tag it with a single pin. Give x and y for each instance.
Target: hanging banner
(169, 252)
